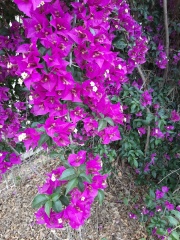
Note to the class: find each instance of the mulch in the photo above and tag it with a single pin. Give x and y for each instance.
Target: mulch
(107, 222)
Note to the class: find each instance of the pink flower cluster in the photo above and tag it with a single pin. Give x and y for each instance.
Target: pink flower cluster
(7, 161)
(161, 60)
(79, 207)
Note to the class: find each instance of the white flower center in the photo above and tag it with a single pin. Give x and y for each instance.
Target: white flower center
(24, 75)
(60, 220)
(94, 89)
(30, 98)
(20, 81)
(22, 136)
(53, 177)
(92, 84)
(119, 66)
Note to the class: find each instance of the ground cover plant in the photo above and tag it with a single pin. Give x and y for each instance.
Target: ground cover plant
(94, 82)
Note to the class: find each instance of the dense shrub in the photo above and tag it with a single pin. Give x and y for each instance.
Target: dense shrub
(71, 81)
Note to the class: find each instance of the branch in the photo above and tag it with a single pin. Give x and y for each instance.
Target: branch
(70, 136)
(13, 149)
(169, 175)
(166, 27)
(141, 74)
(149, 128)
(167, 36)
(147, 140)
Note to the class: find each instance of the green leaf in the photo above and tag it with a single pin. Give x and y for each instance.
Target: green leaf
(100, 196)
(2, 52)
(102, 125)
(173, 221)
(82, 168)
(152, 194)
(161, 231)
(55, 197)
(85, 177)
(135, 162)
(54, 154)
(48, 207)
(176, 213)
(41, 129)
(109, 120)
(175, 235)
(57, 206)
(71, 184)
(39, 200)
(49, 142)
(154, 174)
(149, 118)
(133, 107)
(64, 200)
(68, 174)
(120, 44)
(44, 138)
(80, 184)
(58, 190)
(126, 201)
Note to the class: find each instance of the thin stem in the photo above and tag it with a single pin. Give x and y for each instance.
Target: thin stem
(172, 231)
(169, 175)
(141, 74)
(167, 36)
(13, 149)
(166, 26)
(149, 128)
(70, 136)
(147, 140)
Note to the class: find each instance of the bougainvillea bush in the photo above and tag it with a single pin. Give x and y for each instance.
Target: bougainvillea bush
(93, 81)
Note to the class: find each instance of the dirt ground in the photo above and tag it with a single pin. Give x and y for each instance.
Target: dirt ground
(107, 222)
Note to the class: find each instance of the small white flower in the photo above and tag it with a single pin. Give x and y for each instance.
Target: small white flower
(41, 4)
(0, 154)
(53, 177)
(75, 130)
(125, 119)
(83, 198)
(24, 75)
(30, 98)
(94, 89)
(22, 136)
(9, 65)
(1, 126)
(119, 66)
(20, 81)
(60, 220)
(126, 10)
(92, 84)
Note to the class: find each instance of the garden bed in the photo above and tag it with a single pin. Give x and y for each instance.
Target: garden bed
(107, 222)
